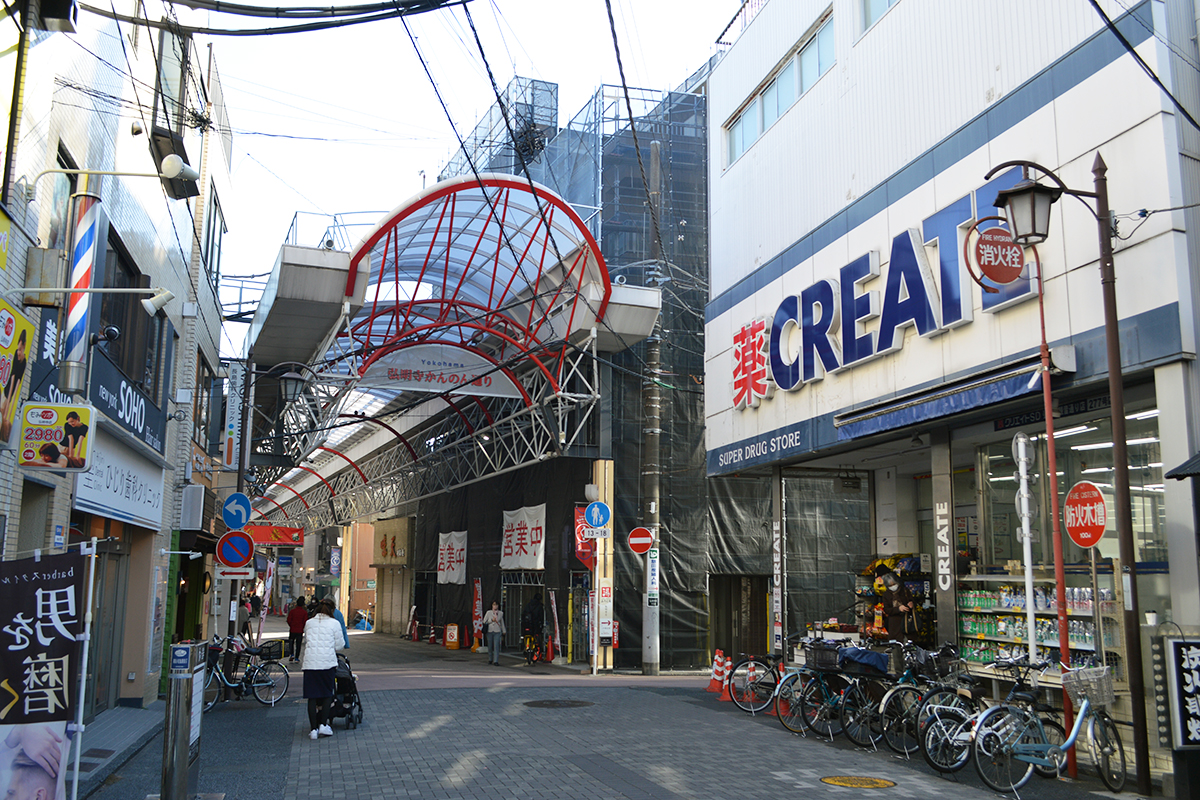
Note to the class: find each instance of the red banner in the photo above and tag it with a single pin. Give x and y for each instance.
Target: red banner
(275, 535)
(585, 549)
(477, 610)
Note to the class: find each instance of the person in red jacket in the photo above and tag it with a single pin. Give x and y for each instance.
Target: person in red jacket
(296, 620)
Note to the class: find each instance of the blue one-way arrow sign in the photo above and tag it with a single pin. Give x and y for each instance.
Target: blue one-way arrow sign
(236, 511)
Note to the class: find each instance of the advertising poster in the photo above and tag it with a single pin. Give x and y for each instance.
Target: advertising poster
(275, 535)
(16, 345)
(41, 612)
(55, 437)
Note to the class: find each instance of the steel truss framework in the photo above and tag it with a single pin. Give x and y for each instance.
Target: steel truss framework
(477, 281)
(457, 448)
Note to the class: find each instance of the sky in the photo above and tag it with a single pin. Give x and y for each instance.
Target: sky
(344, 121)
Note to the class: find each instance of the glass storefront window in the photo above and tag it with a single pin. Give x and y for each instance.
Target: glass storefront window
(1084, 452)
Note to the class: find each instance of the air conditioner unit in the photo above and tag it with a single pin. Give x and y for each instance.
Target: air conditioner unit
(58, 15)
(191, 509)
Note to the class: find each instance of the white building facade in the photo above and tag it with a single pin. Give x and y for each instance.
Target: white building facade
(846, 339)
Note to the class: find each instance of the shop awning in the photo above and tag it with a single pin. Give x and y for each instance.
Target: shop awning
(942, 401)
(1188, 469)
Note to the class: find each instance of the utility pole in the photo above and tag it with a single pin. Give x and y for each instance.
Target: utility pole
(651, 435)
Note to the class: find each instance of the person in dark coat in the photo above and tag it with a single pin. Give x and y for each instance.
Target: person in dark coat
(295, 620)
(898, 603)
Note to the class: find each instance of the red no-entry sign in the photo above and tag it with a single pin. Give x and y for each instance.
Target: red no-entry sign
(1085, 514)
(640, 540)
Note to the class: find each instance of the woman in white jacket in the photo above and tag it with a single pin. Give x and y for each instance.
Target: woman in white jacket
(322, 640)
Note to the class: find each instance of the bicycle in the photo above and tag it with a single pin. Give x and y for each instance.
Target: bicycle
(900, 711)
(531, 647)
(753, 680)
(818, 699)
(1011, 740)
(266, 679)
(948, 724)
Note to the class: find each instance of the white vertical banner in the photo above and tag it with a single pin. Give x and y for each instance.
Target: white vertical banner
(524, 545)
(234, 385)
(452, 557)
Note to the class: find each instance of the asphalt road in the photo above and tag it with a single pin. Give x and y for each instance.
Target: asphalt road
(444, 724)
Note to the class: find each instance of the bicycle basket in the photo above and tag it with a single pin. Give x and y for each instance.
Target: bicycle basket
(272, 650)
(1094, 683)
(819, 654)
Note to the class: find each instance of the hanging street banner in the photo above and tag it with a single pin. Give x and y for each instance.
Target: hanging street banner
(477, 611)
(438, 368)
(275, 535)
(452, 557)
(524, 544)
(41, 614)
(585, 547)
(16, 344)
(55, 437)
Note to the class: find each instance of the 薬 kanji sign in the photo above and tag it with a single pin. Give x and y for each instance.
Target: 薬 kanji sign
(751, 377)
(41, 613)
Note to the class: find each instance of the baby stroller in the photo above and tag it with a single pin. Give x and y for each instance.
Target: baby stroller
(346, 702)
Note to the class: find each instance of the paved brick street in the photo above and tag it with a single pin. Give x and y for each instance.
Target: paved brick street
(444, 724)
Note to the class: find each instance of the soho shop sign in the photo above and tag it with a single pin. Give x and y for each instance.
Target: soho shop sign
(821, 330)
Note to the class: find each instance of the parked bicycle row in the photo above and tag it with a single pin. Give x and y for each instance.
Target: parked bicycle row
(925, 702)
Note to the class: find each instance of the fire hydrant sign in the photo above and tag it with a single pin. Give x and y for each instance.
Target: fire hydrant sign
(55, 437)
(1085, 515)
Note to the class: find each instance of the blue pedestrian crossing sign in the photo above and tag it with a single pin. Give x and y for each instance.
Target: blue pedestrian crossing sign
(236, 511)
(597, 514)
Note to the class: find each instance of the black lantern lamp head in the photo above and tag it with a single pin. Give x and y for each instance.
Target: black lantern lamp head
(1027, 208)
(291, 384)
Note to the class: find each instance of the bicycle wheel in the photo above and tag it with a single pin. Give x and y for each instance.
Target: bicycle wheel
(859, 714)
(1107, 751)
(899, 712)
(998, 730)
(269, 682)
(752, 685)
(819, 700)
(1055, 735)
(212, 687)
(787, 703)
(946, 739)
(946, 697)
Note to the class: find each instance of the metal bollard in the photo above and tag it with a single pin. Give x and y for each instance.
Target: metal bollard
(181, 733)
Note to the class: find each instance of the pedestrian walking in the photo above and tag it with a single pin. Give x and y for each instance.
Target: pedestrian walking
(337, 614)
(493, 622)
(255, 605)
(243, 619)
(296, 619)
(322, 640)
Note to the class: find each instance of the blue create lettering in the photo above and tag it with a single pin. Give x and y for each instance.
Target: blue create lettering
(857, 309)
(910, 297)
(941, 230)
(817, 343)
(785, 365)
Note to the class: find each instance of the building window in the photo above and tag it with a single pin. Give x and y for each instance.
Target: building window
(874, 9)
(743, 131)
(60, 204)
(778, 97)
(816, 57)
(202, 405)
(139, 351)
(214, 234)
(170, 93)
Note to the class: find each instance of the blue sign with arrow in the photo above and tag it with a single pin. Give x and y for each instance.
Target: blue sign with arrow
(236, 511)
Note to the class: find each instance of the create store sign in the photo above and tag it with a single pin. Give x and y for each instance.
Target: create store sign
(841, 321)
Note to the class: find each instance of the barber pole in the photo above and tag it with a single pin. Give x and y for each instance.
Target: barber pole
(83, 260)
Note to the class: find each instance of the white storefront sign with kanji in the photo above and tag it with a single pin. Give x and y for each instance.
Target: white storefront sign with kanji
(1183, 690)
(524, 543)
(452, 557)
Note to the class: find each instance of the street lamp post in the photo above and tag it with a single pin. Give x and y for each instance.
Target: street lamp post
(1027, 207)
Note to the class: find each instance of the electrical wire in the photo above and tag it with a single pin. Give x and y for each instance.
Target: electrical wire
(1141, 62)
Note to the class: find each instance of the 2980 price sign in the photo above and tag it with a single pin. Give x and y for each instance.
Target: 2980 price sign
(55, 437)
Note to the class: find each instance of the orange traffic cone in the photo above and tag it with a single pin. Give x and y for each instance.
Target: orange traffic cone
(718, 670)
(725, 681)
